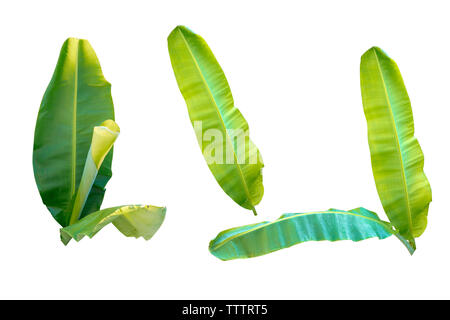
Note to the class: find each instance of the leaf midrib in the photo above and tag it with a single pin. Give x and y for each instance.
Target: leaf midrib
(74, 122)
(221, 120)
(405, 187)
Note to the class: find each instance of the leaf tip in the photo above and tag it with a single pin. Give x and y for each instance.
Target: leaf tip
(179, 29)
(71, 40)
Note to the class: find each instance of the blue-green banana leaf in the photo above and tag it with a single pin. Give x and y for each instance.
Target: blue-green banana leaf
(293, 228)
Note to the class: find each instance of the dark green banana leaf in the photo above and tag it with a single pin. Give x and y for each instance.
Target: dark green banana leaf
(72, 154)
(293, 228)
(77, 99)
(397, 159)
(221, 130)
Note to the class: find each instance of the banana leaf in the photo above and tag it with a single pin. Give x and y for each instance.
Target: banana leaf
(397, 159)
(77, 99)
(293, 228)
(73, 150)
(222, 132)
(132, 221)
(103, 139)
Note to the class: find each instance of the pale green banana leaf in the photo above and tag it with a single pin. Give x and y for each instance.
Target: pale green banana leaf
(221, 130)
(103, 139)
(293, 228)
(132, 221)
(397, 159)
(77, 99)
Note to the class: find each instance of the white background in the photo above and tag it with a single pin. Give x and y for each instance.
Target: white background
(293, 68)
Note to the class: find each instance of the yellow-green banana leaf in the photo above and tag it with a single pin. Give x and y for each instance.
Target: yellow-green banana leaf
(77, 99)
(103, 139)
(132, 221)
(397, 159)
(221, 130)
(293, 228)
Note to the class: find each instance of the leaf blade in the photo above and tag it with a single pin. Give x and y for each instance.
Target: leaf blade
(77, 98)
(290, 229)
(210, 103)
(131, 221)
(397, 159)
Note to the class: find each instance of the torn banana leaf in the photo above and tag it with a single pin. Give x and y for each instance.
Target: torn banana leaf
(222, 132)
(132, 221)
(293, 228)
(77, 99)
(397, 159)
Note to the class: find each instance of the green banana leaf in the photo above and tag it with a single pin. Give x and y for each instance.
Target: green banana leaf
(132, 221)
(77, 99)
(397, 159)
(293, 228)
(232, 157)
